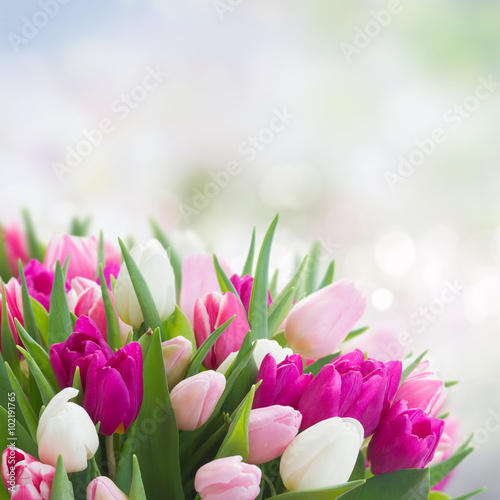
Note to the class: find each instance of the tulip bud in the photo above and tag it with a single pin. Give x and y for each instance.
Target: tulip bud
(270, 431)
(210, 313)
(102, 488)
(66, 429)
(16, 247)
(318, 324)
(198, 279)
(405, 439)
(228, 478)
(154, 264)
(323, 455)
(194, 399)
(81, 251)
(177, 354)
(422, 389)
(25, 477)
(243, 287)
(39, 281)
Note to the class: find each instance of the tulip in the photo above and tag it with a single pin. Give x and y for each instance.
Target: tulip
(14, 303)
(177, 354)
(113, 392)
(263, 347)
(243, 287)
(405, 439)
(16, 247)
(270, 431)
(353, 387)
(39, 281)
(194, 399)
(422, 389)
(25, 477)
(446, 446)
(228, 479)
(82, 253)
(154, 264)
(282, 384)
(198, 279)
(66, 429)
(323, 455)
(112, 269)
(318, 324)
(210, 313)
(102, 488)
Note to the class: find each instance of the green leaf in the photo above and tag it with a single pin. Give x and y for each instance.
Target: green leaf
(202, 352)
(224, 281)
(60, 324)
(61, 486)
(5, 385)
(179, 326)
(329, 493)
(137, 488)
(28, 314)
(157, 439)
(273, 284)
(114, 337)
(77, 384)
(312, 269)
(329, 274)
(292, 284)
(23, 439)
(34, 248)
(101, 258)
(43, 384)
(409, 484)
(259, 298)
(451, 383)
(356, 333)
(407, 371)
(80, 227)
(236, 440)
(470, 495)
(9, 351)
(5, 270)
(146, 302)
(123, 477)
(22, 401)
(438, 495)
(440, 470)
(248, 267)
(42, 320)
(359, 471)
(315, 367)
(280, 312)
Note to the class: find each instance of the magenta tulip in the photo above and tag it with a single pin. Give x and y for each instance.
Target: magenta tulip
(39, 281)
(243, 287)
(228, 479)
(405, 439)
(318, 324)
(422, 389)
(25, 477)
(353, 387)
(82, 253)
(16, 247)
(14, 303)
(210, 313)
(282, 384)
(270, 431)
(102, 488)
(194, 399)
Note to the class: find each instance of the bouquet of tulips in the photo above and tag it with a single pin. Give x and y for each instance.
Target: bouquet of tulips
(133, 373)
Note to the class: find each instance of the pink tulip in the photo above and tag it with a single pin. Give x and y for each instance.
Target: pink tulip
(16, 247)
(210, 313)
(270, 431)
(228, 479)
(25, 477)
(198, 279)
(243, 287)
(14, 302)
(82, 253)
(102, 488)
(39, 281)
(177, 354)
(318, 324)
(194, 399)
(422, 389)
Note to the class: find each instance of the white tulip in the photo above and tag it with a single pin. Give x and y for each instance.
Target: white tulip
(262, 349)
(66, 429)
(323, 455)
(154, 264)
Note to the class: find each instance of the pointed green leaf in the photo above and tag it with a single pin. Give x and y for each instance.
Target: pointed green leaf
(9, 351)
(61, 485)
(34, 248)
(329, 493)
(123, 477)
(470, 495)
(273, 285)
(179, 326)
(114, 336)
(259, 298)
(440, 470)
(315, 367)
(356, 333)
(5, 386)
(79, 227)
(248, 267)
(329, 275)
(101, 258)
(44, 386)
(60, 324)
(23, 439)
(407, 371)
(438, 495)
(359, 471)
(224, 281)
(77, 384)
(5, 270)
(451, 383)
(28, 314)
(293, 283)
(312, 269)
(137, 488)
(280, 312)
(42, 320)
(146, 302)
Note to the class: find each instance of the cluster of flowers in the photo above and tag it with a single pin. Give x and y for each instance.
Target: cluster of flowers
(188, 379)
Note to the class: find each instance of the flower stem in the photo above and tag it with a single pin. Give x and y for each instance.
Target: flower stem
(110, 455)
(269, 484)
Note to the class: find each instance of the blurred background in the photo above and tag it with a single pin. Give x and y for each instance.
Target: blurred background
(370, 126)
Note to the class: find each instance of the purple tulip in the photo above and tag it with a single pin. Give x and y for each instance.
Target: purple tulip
(243, 287)
(85, 346)
(405, 439)
(353, 387)
(282, 384)
(113, 392)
